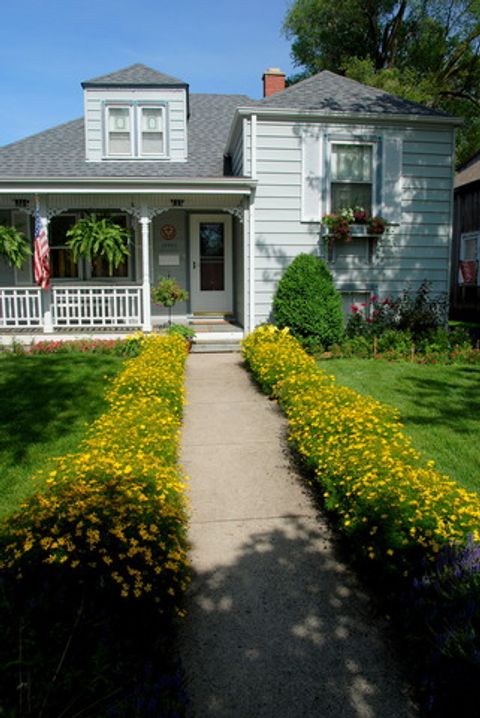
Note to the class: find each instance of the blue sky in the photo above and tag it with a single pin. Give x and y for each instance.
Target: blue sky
(48, 47)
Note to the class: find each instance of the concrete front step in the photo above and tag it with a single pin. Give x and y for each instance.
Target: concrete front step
(217, 342)
(218, 346)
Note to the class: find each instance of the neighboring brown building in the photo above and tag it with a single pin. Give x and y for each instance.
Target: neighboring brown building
(465, 284)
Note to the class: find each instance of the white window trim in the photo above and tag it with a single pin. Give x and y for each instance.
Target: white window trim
(135, 108)
(464, 237)
(112, 106)
(375, 169)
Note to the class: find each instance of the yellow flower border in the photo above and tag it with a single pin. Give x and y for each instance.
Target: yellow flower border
(116, 510)
(383, 491)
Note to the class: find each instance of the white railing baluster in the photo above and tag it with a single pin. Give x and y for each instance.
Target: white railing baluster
(97, 306)
(20, 308)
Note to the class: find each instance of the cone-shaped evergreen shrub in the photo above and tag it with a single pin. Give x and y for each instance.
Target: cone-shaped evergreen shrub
(307, 302)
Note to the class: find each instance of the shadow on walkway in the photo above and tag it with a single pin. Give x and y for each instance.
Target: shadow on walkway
(284, 630)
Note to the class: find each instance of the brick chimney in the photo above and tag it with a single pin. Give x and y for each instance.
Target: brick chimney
(273, 81)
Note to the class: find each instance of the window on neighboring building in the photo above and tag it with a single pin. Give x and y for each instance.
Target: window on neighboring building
(134, 130)
(469, 256)
(351, 176)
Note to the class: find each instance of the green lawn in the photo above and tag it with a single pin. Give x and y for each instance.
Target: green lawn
(439, 405)
(46, 402)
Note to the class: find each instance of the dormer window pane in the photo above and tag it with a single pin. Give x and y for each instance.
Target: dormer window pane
(119, 131)
(152, 134)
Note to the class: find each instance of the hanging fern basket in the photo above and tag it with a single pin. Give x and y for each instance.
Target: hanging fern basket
(92, 237)
(14, 246)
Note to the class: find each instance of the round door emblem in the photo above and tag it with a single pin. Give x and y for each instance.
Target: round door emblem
(168, 231)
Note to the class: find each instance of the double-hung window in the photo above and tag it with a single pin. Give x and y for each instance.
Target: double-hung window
(351, 176)
(119, 131)
(151, 131)
(135, 131)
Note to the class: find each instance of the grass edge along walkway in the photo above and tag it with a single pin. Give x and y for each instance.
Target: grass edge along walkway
(439, 406)
(48, 402)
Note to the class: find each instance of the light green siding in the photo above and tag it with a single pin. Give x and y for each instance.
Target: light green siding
(416, 250)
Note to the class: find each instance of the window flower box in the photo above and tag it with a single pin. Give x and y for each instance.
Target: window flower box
(352, 222)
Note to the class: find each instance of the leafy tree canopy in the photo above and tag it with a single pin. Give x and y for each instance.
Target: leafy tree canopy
(427, 51)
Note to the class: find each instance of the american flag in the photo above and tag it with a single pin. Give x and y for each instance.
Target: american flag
(41, 257)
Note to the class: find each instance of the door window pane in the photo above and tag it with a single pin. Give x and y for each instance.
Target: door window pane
(212, 257)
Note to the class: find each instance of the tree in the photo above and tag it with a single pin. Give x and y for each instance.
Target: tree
(427, 51)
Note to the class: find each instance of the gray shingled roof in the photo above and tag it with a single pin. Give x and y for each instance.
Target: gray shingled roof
(134, 76)
(329, 92)
(60, 151)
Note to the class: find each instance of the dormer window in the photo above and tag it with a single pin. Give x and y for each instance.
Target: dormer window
(119, 139)
(152, 136)
(135, 130)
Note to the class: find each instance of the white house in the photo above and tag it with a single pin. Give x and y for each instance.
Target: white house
(222, 192)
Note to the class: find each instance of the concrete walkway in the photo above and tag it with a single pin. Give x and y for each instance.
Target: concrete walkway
(277, 626)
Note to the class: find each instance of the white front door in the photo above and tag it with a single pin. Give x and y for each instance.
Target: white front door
(211, 289)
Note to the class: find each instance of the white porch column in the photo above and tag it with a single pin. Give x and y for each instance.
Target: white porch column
(145, 222)
(251, 268)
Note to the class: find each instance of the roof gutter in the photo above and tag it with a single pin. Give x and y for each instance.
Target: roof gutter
(127, 185)
(370, 118)
(350, 116)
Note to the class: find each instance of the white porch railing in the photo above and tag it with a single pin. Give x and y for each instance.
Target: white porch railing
(20, 308)
(97, 306)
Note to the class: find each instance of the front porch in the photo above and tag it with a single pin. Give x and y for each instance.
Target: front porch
(166, 241)
(212, 334)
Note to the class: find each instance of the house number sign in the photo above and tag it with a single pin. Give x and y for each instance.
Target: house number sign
(168, 231)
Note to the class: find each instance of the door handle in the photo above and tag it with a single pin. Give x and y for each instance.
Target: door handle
(194, 264)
